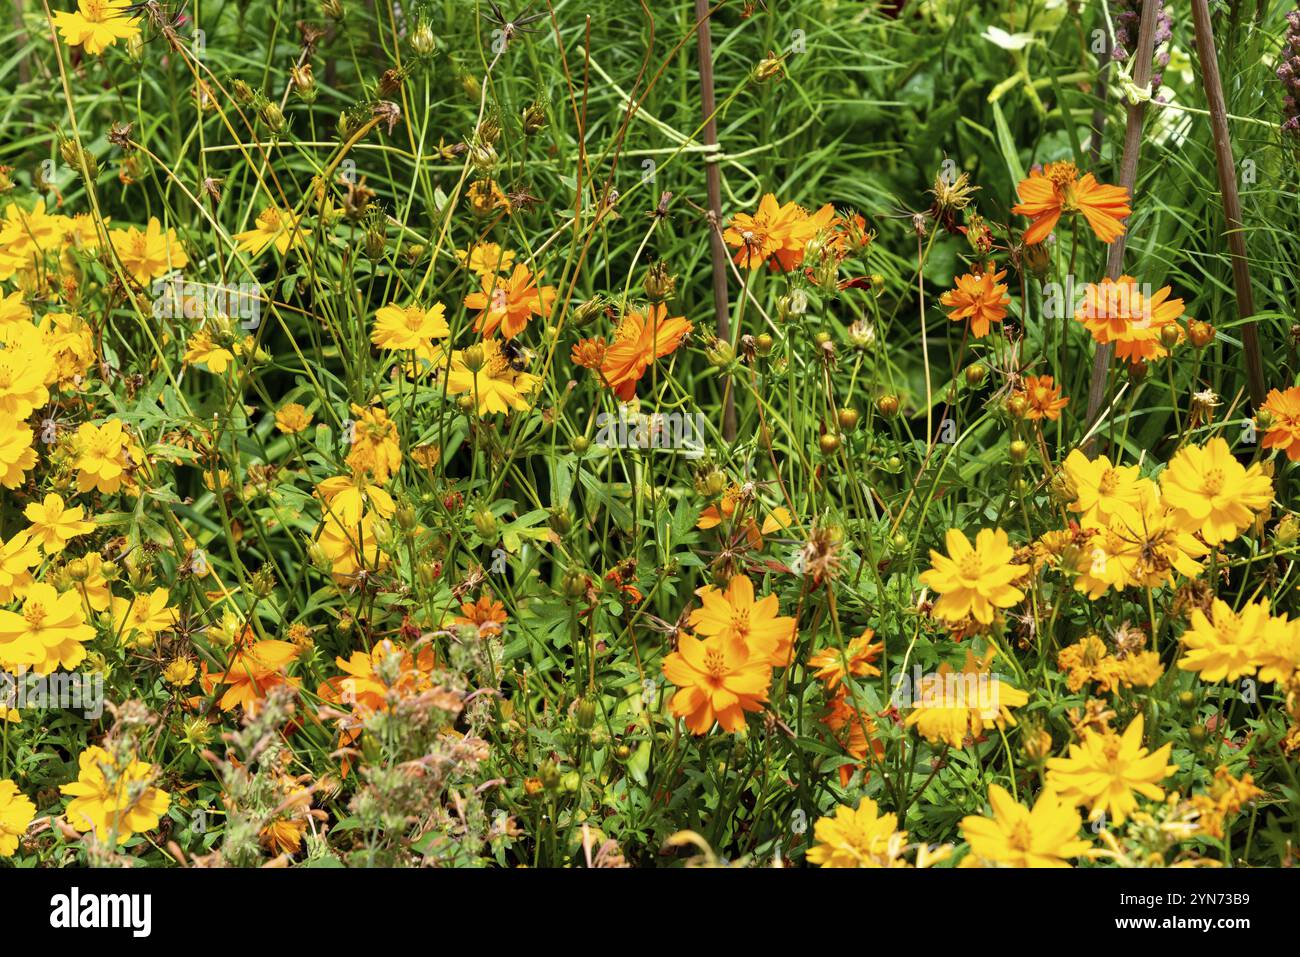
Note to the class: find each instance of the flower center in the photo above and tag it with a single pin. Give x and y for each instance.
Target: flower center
(1021, 837)
(1214, 481)
(715, 664)
(34, 614)
(970, 566)
(1109, 482)
(740, 621)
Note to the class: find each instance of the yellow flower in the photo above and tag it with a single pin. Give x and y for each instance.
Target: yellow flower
(376, 445)
(17, 456)
(1046, 836)
(1105, 770)
(495, 386)
(734, 615)
(53, 525)
(138, 620)
(857, 838)
(100, 454)
(16, 812)
(292, 418)
(202, 350)
(410, 327)
(273, 227)
(1104, 491)
(50, 631)
(1225, 647)
(26, 368)
(1212, 493)
(17, 557)
(1155, 547)
(149, 254)
(1225, 799)
(718, 680)
(179, 672)
(1090, 660)
(952, 705)
(973, 581)
(486, 259)
(97, 24)
(115, 802)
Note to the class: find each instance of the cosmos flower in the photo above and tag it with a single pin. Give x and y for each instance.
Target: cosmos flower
(1105, 771)
(1046, 836)
(1057, 189)
(484, 373)
(1119, 312)
(639, 340)
(978, 297)
(97, 25)
(1212, 493)
(718, 680)
(149, 254)
(115, 800)
(508, 303)
(973, 581)
(734, 615)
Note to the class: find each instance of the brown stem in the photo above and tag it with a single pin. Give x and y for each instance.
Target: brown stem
(713, 179)
(1231, 200)
(1142, 58)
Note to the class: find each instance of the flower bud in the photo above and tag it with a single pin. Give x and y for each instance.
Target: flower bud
(847, 418)
(887, 405)
(829, 443)
(1018, 450)
(485, 523)
(1170, 335)
(975, 374)
(422, 39)
(763, 344)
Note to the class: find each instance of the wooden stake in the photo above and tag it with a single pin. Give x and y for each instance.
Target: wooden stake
(1205, 52)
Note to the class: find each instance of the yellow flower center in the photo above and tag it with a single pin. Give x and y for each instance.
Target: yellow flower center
(1214, 479)
(34, 614)
(715, 664)
(1109, 482)
(971, 566)
(740, 620)
(1021, 837)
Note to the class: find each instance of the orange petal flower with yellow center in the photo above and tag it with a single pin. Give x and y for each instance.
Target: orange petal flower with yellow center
(1057, 189)
(979, 297)
(734, 615)
(718, 680)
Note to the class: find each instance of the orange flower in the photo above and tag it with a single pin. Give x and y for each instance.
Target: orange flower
(855, 731)
(775, 234)
(1284, 432)
(1118, 312)
(979, 298)
(1042, 397)
(508, 304)
(1056, 189)
(718, 680)
(253, 671)
(486, 615)
(734, 615)
(637, 343)
(833, 664)
(588, 353)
